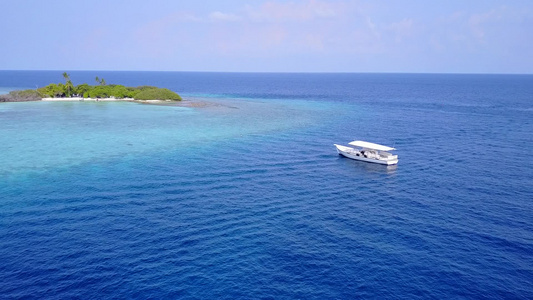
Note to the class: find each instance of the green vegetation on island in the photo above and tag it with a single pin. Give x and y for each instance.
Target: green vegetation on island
(21, 96)
(101, 90)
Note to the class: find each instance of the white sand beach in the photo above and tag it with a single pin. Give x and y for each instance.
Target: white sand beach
(184, 103)
(91, 99)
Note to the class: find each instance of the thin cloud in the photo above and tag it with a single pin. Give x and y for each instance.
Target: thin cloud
(351, 31)
(274, 11)
(402, 29)
(477, 22)
(224, 17)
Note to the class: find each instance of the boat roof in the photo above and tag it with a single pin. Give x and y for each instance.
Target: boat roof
(372, 146)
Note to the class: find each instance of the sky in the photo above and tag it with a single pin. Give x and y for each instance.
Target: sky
(410, 36)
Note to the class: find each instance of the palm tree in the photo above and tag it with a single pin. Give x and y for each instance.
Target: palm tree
(100, 81)
(69, 85)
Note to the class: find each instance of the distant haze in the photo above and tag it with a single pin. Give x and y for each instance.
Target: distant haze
(475, 36)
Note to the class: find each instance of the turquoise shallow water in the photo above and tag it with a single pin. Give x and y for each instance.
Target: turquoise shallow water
(247, 198)
(73, 133)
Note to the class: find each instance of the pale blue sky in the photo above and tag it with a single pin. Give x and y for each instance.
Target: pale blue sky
(466, 36)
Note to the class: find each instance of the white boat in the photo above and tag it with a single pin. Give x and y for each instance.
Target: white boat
(369, 152)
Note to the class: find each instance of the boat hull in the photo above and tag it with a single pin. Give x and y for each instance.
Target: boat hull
(350, 153)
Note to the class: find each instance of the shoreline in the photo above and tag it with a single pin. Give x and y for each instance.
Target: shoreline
(98, 99)
(191, 102)
(182, 103)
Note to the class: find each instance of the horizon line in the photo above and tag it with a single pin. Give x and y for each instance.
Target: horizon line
(268, 72)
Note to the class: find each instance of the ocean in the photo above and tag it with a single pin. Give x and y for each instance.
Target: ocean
(247, 198)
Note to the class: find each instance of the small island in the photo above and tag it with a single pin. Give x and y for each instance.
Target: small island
(100, 91)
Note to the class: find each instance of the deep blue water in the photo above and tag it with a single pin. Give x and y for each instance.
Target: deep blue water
(247, 198)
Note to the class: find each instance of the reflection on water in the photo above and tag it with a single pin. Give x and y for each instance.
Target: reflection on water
(370, 167)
